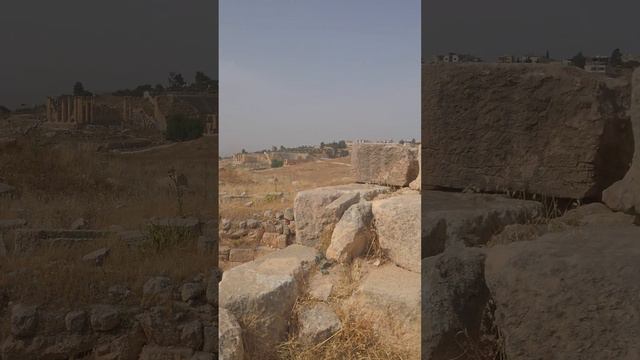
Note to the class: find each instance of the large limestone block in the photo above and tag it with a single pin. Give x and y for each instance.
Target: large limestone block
(542, 129)
(229, 336)
(318, 210)
(460, 219)
(352, 234)
(261, 294)
(454, 297)
(389, 296)
(624, 195)
(385, 164)
(576, 292)
(397, 222)
(417, 183)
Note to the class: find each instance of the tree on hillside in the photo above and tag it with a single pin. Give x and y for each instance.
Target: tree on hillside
(78, 90)
(616, 58)
(203, 82)
(579, 60)
(176, 81)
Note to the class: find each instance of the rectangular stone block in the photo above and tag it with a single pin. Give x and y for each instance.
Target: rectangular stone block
(385, 164)
(545, 129)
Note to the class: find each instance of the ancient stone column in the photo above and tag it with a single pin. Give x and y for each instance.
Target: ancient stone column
(624, 195)
(63, 109)
(48, 109)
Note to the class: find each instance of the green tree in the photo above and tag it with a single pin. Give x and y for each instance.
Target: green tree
(616, 58)
(579, 60)
(203, 83)
(275, 163)
(182, 128)
(176, 81)
(79, 90)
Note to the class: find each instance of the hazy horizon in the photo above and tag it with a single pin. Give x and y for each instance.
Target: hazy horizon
(492, 28)
(301, 73)
(48, 46)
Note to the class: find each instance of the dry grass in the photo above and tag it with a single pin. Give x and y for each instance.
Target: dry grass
(59, 182)
(290, 180)
(355, 340)
(57, 277)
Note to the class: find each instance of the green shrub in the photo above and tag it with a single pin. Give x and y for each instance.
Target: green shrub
(275, 163)
(160, 237)
(182, 128)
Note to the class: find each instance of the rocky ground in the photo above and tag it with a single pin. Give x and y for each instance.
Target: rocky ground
(100, 258)
(344, 282)
(535, 277)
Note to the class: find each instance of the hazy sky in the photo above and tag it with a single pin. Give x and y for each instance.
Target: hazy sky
(296, 72)
(45, 45)
(490, 28)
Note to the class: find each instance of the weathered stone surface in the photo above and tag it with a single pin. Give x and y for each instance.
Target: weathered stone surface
(210, 338)
(10, 224)
(79, 224)
(417, 183)
(460, 219)
(46, 347)
(191, 224)
(212, 286)
(624, 195)
(104, 317)
(7, 190)
(321, 286)
(261, 293)
(159, 326)
(76, 321)
(317, 323)
(574, 291)
(192, 335)
(157, 291)
(352, 234)
(241, 255)
(153, 352)
(385, 164)
(274, 240)
(288, 214)
(390, 297)
(454, 297)
(318, 210)
(397, 222)
(24, 320)
(558, 131)
(231, 344)
(191, 292)
(97, 257)
(28, 239)
(207, 245)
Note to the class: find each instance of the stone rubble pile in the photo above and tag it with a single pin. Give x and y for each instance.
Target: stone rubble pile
(336, 228)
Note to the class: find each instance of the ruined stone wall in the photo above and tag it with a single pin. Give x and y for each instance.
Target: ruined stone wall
(70, 111)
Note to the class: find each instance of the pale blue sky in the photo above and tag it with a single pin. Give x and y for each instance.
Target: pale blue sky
(296, 72)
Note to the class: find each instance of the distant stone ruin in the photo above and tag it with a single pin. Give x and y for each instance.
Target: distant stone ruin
(131, 112)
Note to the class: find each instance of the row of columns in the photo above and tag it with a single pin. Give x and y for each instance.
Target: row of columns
(70, 109)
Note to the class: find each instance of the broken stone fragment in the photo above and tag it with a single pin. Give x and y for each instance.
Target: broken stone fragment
(24, 320)
(104, 317)
(352, 234)
(317, 323)
(97, 257)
